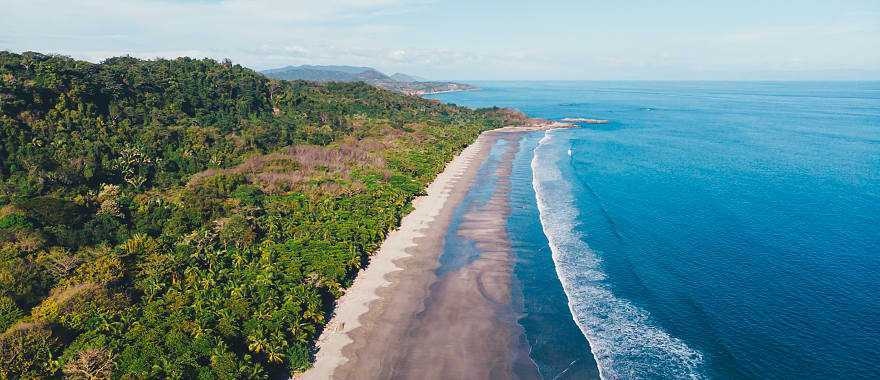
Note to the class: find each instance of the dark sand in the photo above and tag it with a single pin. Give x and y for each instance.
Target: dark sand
(462, 325)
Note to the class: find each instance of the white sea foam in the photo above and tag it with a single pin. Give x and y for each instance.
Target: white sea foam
(622, 337)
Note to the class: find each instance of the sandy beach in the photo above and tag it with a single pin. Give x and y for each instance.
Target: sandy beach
(400, 320)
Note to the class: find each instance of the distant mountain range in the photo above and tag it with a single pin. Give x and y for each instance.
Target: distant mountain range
(399, 82)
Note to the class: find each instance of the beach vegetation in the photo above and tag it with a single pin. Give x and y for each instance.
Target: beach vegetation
(190, 218)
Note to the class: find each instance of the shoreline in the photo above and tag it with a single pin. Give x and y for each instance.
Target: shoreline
(400, 318)
(417, 93)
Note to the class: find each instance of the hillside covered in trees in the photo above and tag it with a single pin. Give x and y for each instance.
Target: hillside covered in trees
(396, 82)
(189, 218)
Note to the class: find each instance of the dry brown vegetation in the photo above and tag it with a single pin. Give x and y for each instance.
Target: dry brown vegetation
(25, 345)
(326, 169)
(515, 118)
(90, 364)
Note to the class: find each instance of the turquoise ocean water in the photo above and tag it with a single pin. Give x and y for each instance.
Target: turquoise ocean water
(711, 230)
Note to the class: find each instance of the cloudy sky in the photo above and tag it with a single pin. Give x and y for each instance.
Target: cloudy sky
(472, 39)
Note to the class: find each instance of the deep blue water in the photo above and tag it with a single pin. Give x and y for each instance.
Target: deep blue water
(711, 230)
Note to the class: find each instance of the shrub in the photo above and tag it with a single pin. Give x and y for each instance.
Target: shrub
(14, 221)
(90, 364)
(81, 307)
(9, 313)
(26, 351)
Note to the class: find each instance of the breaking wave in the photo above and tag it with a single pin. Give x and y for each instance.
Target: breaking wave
(623, 339)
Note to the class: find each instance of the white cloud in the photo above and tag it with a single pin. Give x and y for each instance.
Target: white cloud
(245, 30)
(436, 39)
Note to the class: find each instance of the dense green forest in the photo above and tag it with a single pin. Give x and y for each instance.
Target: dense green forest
(192, 218)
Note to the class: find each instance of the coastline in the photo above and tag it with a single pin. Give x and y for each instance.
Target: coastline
(420, 93)
(400, 318)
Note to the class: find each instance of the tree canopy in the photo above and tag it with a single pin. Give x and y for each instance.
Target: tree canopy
(192, 218)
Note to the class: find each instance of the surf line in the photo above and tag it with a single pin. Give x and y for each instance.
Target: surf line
(623, 340)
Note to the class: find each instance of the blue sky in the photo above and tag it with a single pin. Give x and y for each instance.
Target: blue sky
(568, 40)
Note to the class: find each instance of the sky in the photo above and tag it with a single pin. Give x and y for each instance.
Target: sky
(473, 39)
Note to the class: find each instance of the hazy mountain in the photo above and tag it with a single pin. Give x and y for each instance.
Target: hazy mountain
(327, 73)
(399, 82)
(401, 77)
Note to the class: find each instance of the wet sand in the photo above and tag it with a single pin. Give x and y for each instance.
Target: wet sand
(400, 320)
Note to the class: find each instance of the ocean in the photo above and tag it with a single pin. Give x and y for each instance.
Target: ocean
(724, 230)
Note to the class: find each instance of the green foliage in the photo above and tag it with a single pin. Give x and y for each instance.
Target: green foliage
(14, 221)
(26, 351)
(189, 218)
(9, 312)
